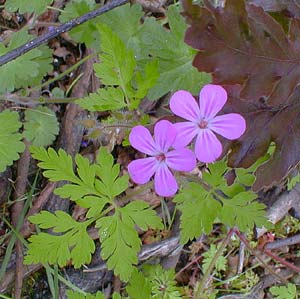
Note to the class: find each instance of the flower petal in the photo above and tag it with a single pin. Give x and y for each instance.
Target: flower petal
(212, 98)
(141, 139)
(164, 135)
(141, 170)
(207, 148)
(231, 126)
(181, 159)
(183, 104)
(186, 131)
(164, 181)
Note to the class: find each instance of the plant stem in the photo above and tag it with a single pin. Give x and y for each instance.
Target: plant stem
(57, 31)
(60, 76)
(200, 287)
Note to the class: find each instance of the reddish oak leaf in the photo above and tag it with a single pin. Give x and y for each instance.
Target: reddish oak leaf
(289, 8)
(247, 50)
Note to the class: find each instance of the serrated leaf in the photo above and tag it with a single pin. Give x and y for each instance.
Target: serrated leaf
(199, 210)
(84, 33)
(142, 215)
(119, 239)
(120, 244)
(110, 184)
(138, 286)
(104, 99)
(26, 70)
(60, 221)
(284, 292)
(58, 166)
(243, 211)
(75, 295)
(75, 244)
(10, 140)
(41, 126)
(117, 62)
(31, 6)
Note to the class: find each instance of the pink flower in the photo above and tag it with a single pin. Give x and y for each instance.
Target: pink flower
(161, 157)
(203, 122)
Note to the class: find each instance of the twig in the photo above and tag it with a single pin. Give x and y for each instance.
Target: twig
(23, 167)
(57, 31)
(254, 252)
(38, 203)
(282, 261)
(283, 242)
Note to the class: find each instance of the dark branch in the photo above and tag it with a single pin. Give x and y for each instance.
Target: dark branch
(57, 31)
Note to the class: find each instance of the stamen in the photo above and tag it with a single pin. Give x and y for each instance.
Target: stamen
(160, 157)
(203, 124)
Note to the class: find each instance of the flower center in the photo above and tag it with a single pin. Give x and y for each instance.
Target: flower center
(203, 124)
(161, 157)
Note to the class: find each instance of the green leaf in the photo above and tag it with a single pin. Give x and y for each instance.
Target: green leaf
(26, 70)
(57, 166)
(215, 175)
(145, 80)
(41, 126)
(221, 262)
(199, 210)
(104, 99)
(85, 33)
(284, 292)
(120, 241)
(74, 244)
(111, 185)
(163, 282)
(140, 214)
(75, 295)
(31, 6)
(243, 211)
(117, 62)
(10, 140)
(125, 21)
(175, 57)
(138, 286)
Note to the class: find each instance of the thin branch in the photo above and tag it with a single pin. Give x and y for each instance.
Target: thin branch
(57, 31)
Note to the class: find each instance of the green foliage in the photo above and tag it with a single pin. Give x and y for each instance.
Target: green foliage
(75, 295)
(31, 6)
(74, 244)
(93, 186)
(149, 41)
(211, 200)
(28, 69)
(162, 281)
(87, 32)
(243, 211)
(174, 56)
(41, 126)
(284, 292)
(199, 210)
(139, 286)
(104, 99)
(10, 140)
(221, 263)
(120, 241)
(117, 67)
